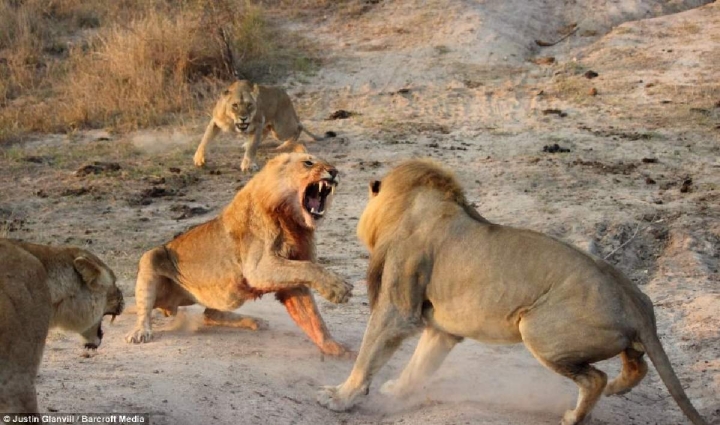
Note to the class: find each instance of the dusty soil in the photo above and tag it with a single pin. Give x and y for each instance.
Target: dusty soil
(465, 83)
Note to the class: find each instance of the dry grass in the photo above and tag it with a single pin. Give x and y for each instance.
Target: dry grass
(73, 64)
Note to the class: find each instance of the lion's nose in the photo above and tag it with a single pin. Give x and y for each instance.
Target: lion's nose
(333, 172)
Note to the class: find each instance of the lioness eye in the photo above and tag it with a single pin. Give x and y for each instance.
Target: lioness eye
(308, 163)
(235, 105)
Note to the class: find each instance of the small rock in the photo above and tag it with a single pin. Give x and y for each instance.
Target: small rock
(75, 191)
(591, 74)
(649, 180)
(97, 167)
(593, 92)
(187, 211)
(544, 60)
(341, 114)
(554, 112)
(686, 185)
(35, 159)
(649, 160)
(555, 148)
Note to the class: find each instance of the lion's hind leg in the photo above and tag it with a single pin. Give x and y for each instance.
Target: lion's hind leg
(568, 347)
(225, 318)
(633, 371)
(433, 347)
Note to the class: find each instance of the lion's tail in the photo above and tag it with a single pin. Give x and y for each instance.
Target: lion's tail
(328, 134)
(657, 354)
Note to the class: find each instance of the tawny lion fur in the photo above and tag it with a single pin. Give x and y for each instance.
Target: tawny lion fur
(262, 242)
(437, 265)
(42, 287)
(254, 110)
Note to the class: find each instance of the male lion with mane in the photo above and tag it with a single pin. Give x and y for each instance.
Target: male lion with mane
(43, 287)
(253, 110)
(262, 242)
(437, 265)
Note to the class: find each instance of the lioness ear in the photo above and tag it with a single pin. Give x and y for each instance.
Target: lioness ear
(299, 148)
(89, 270)
(226, 92)
(374, 188)
(255, 91)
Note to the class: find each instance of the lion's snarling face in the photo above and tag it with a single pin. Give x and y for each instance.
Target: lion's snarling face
(240, 106)
(301, 183)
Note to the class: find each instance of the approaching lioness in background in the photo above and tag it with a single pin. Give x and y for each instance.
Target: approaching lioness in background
(262, 242)
(437, 265)
(253, 110)
(42, 287)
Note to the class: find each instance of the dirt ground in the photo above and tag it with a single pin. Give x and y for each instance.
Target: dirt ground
(632, 93)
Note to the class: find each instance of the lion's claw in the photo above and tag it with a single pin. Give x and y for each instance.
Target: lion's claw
(248, 166)
(328, 397)
(139, 336)
(337, 292)
(199, 161)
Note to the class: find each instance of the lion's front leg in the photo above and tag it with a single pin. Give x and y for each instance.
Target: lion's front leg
(210, 132)
(385, 332)
(146, 288)
(301, 306)
(272, 274)
(248, 162)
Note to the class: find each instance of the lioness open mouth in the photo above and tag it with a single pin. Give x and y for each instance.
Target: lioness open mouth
(242, 126)
(316, 195)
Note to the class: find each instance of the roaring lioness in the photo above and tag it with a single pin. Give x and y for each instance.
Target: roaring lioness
(254, 110)
(437, 265)
(42, 287)
(262, 242)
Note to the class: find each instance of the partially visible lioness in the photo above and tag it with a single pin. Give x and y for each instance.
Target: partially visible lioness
(437, 265)
(262, 242)
(43, 287)
(253, 110)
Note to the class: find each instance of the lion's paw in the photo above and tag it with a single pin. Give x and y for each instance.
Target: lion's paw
(337, 292)
(615, 388)
(199, 160)
(571, 418)
(390, 388)
(330, 398)
(248, 166)
(138, 336)
(334, 348)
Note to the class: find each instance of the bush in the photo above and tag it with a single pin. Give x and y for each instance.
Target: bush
(72, 64)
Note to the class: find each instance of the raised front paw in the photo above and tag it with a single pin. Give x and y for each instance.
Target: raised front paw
(139, 335)
(336, 291)
(199, 160)
(248, 166)
(330, 398)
